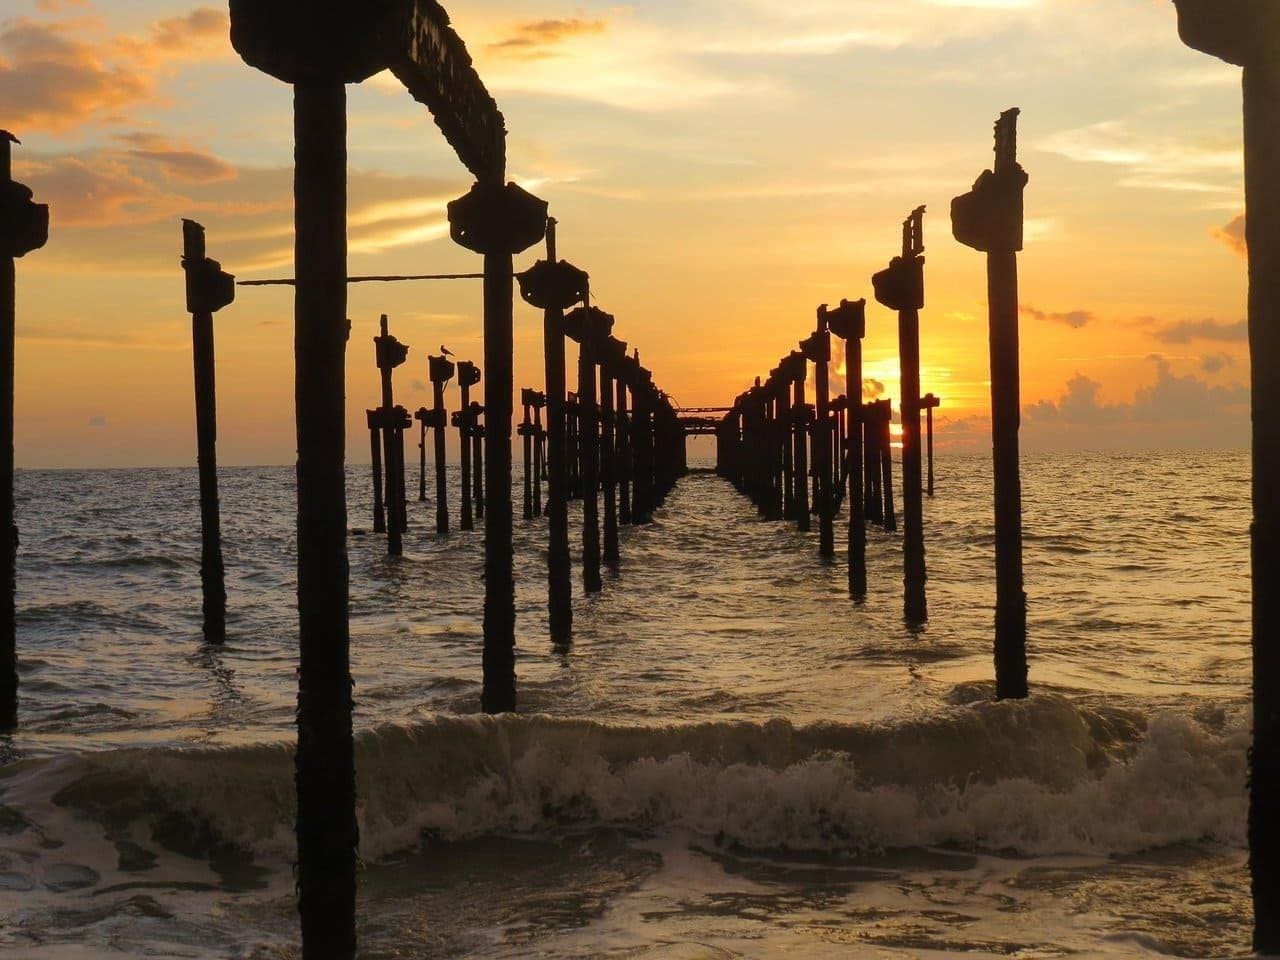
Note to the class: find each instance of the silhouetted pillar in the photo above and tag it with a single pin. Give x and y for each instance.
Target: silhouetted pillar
(572, 424)
(24, 226)
(849, 323)
(589, 326)
(440, 370)
(801, 418)
(527, 435)
(375, 463)
(208, 290)
(422, 415)
(930, 403)
(838, 406)
(989, 218)
(608, 451)
(886, 464)
(818, 349)
(873, 499)
(539, 452)
(626, 461)
(468, 376)
(642, 445)
(901, 288)
(389, 354)
(553, 285)
(475, 410)
(786, 436)
(1248, 34)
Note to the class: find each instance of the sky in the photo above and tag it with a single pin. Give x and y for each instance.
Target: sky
(720, 167)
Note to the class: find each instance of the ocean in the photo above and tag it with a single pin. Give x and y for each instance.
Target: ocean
(732, 760)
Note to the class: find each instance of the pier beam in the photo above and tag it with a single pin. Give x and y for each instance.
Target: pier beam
(930, 403)
(468, 376)
(375, 467)
(817, 348)
(389, 354)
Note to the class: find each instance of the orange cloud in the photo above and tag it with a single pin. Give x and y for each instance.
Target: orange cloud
(53, 79)
(1232, 235)
(534, 38)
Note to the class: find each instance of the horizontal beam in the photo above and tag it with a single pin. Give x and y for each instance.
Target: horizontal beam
(289, 281)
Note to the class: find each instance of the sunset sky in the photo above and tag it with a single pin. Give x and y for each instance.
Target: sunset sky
(721, 167)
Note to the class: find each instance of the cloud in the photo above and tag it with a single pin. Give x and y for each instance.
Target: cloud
(540, 38)
(1232, 235)
(1170, 399)
(1075, 319)
(1187, 330)
(871, 389)
(177, 162)
(1154, 161)
(60, 75)
(98, 421)
(1217, 362)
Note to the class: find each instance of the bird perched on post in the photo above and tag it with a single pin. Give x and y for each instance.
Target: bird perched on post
(445, 351)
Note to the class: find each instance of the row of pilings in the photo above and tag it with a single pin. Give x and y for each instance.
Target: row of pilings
(772, 441)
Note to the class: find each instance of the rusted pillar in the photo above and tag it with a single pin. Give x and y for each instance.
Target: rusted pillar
(440, 372)
(475, 410)
(589, 326)
(611, 354)
(885, 408)
(849, 322)
(873, 500)
(626, 462)
(539, 451)
(817, 348)
(930, 403)
(526, 433)
(468, 376)
(389, 354)
(901, 288)
(553, 285)
(989, 218)
(375, 462)
(421, 416)
(1247, 34)
(801, 418)
(208, 290)
(24, 226)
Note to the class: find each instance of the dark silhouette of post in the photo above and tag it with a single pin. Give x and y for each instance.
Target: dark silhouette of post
(901, 288)
(890, 515)
(1247, 34)
(626, 457)
(475, 410)
(539, 451)
(24, 226)
(440, 372)
(554, 285)
(611, 354)
(391, 353)
(527, 436)
(572, 423)
(873, 499)
(989, 218)
(208, 291)
(422, 415)
(468, 377)
(817, 348)
(930, 403)
(318, 49)
(802, 423)
(590, 327)
(849, 322)
(375, 463)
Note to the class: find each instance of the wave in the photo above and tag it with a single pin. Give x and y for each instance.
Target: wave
(1037, 777)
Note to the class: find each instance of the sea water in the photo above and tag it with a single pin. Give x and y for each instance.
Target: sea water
(732, 760)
